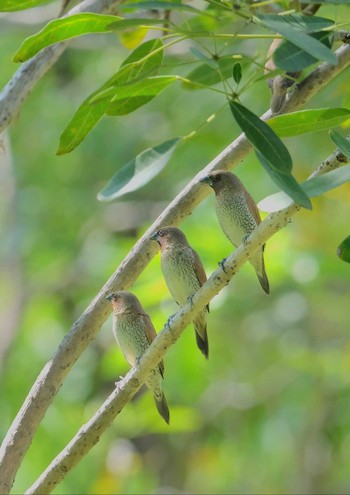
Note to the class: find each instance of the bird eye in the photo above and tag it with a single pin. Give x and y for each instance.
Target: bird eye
(161, 233)
(217, 177)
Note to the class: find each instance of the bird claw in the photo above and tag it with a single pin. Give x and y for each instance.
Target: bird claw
(245, 239)
(119, 382)
(190, 300)
(168, 322)
(222, 264)
(137, 360)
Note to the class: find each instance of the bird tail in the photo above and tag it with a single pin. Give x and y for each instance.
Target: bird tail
(258, 262)
(201, 336)
(162, 406)
(264, 282)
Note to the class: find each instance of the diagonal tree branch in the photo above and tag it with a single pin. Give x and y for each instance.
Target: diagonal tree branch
(90, 433)
(30, 72)
(83, 331)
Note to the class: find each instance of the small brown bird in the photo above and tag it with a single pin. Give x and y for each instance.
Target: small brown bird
(238, 215)
(134, 332)
(184, 275)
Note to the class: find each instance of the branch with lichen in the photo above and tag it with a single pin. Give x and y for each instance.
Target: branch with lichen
(84, 330)
(91, 432)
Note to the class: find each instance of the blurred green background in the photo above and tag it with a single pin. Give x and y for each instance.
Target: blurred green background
(269, 412)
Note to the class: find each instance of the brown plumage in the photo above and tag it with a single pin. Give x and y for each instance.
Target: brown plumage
(184, 275)
(238, 215)
(134, 332)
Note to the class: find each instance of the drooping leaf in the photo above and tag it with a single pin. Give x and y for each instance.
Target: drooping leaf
(295, 28)
(144, 60)
(237, 72)
(286, 181)
(341, 142)
(63, 29)
(292, 58)
(205, 75)
(139, 171)
(303, 121)
(262, 137)
(13, 5)
(312, 187)
(127, 98)
(343, 250)
(271, 152)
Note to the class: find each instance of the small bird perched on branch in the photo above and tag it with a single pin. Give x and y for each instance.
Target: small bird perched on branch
(134, 332)
(238, 215)
(184, 275)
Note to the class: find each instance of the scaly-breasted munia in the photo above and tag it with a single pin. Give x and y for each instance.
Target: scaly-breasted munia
(134, 332)
(184, 275)
(238, 215)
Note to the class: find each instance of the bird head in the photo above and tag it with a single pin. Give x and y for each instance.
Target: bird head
(168, 236)
(124, 302)
(221, 179)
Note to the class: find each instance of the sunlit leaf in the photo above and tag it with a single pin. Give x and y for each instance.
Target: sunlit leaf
(312, 187)
(13, 5)
(292, 58)
(341, 142)
(294, 27)
(144, 60)
(343, 250)
(303, 121)
(331, 2)
(63, 29)
(139, 171)
(127, 98)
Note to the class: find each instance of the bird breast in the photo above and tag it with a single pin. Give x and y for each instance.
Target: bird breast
(234, 216)
(179, 273)
(129, 331)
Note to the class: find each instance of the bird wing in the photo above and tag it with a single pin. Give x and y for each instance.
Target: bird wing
(199, 269)
(253, 208)
(151, 335)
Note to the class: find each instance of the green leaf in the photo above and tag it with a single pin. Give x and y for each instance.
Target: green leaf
(295, 123)
(63, 29)
(127, 98)
(237, 72)
(343, 250)
(159, 5)
(294, 27)
(286, 182)
(139, 171)
(13, 5)
(144, 60)
(341, 142)
(124, 24)
(271, 152)
(262, 137)
(312, 187)
(205, 75)
(291, 58)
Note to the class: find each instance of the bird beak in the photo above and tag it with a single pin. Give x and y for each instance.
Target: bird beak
(154, 236)
(207, 180)
(109, 297)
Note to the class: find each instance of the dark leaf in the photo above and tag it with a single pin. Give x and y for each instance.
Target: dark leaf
(341, 142)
